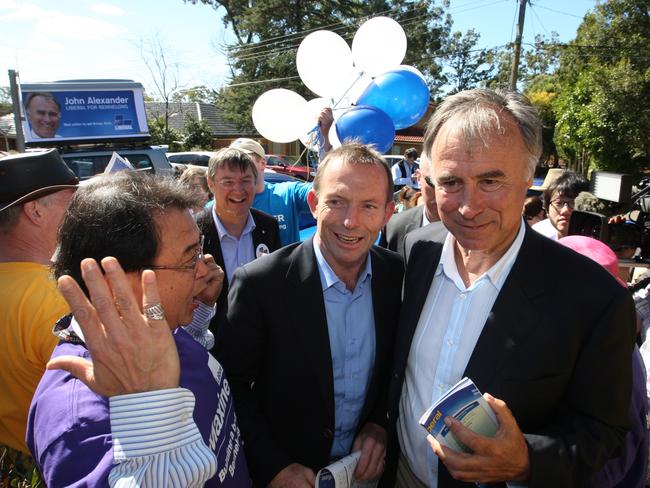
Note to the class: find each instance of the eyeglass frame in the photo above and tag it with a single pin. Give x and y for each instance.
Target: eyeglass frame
(187, 267)
(559, 205)
(428, 181)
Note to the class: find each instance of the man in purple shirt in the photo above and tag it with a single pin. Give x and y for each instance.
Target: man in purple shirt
(129, 396)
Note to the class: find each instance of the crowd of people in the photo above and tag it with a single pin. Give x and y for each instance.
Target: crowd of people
(187, 343)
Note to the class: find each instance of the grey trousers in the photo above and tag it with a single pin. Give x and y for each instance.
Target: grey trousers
(405, 477)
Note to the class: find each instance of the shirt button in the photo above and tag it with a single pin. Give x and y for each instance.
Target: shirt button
(463, 296)
(450, 342)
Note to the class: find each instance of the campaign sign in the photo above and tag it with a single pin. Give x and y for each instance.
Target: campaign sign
(83, 115)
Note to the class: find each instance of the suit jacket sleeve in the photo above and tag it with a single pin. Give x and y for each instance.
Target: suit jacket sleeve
(241, 351)
(591, 426)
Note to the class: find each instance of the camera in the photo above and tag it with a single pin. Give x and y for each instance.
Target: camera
(634, 232)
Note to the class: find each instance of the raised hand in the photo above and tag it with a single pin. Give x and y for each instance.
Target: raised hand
(130, 352)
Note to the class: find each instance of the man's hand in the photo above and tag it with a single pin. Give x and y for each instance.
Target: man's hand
(325, 121)
(372, 443)
(208, 288)
(294, 476)
(130, 352)
(503, 457)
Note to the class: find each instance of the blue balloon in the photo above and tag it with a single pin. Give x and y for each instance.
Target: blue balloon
(401, 93)
(367, 124)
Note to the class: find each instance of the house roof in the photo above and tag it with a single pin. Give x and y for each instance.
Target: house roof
(405, 138)
(179, 111)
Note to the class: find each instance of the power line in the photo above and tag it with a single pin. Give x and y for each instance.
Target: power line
(559, 12)
(257, 82)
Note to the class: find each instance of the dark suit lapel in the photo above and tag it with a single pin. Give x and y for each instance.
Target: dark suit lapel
(381, 304)
(416, 220)
(211, 244)
(423, 263)
(420, 271)
(309, 319)
(511, 319)
(260, 234)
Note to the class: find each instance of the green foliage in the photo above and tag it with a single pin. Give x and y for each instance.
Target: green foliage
(165, 135)
(18, 470)
(5, 100)
(195, 94)
(468, 66)
(604, 114)
(605, 75)
(268, 35)
(198, 135)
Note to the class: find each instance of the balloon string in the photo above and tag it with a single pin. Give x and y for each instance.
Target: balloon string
(349, 88)
(314, 136)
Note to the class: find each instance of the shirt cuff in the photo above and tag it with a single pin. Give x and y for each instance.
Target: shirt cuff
(148, 423)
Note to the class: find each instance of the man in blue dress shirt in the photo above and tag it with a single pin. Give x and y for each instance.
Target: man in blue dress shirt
(309, 363)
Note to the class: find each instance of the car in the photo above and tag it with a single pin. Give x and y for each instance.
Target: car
(89, 160)
(272, 176)
(298, 169)
(391, 159)
(198, 158)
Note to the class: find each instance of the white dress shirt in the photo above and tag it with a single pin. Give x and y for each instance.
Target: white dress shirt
(450, 324)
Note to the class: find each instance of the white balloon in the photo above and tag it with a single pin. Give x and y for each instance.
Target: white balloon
(414, 70)
(279, 115)
(324, 62)
(379, 45)
(334, 138)
(355, 85)
(314, 108)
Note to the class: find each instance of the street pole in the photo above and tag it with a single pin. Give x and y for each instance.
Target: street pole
(517, 52)
(15, 100)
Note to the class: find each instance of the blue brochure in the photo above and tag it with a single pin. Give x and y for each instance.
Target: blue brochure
(465, 403)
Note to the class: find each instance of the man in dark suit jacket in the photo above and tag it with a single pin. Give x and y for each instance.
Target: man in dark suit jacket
(392, 236)
(300, 323)
(546, 332)
(246, 232)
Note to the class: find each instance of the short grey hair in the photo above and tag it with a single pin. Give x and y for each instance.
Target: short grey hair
(479, 114)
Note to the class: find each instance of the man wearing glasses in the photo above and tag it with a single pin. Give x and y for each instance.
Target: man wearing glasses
(129, 397)
(235, 233)
(420, 216)
(559, 202)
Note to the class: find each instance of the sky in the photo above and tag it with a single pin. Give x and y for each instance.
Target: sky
(86, 39)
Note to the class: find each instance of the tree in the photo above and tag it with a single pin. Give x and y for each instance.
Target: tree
(268, 35)
(199, 93)
(603, 115)
(164, 75)
(6, 106)
(468, 66)
(542, 58)
(163, 134)
(198, 135)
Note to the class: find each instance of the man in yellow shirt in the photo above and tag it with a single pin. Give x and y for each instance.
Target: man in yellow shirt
(35, 189)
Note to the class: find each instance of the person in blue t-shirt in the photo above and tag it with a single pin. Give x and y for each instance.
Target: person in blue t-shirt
(286, 200)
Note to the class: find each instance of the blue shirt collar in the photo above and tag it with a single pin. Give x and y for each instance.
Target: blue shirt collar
(222, 231)
(328, 277)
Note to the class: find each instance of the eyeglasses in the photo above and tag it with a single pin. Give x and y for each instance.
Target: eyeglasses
(191, 266)
(232, 184)
(429, 182)
(560, 204)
